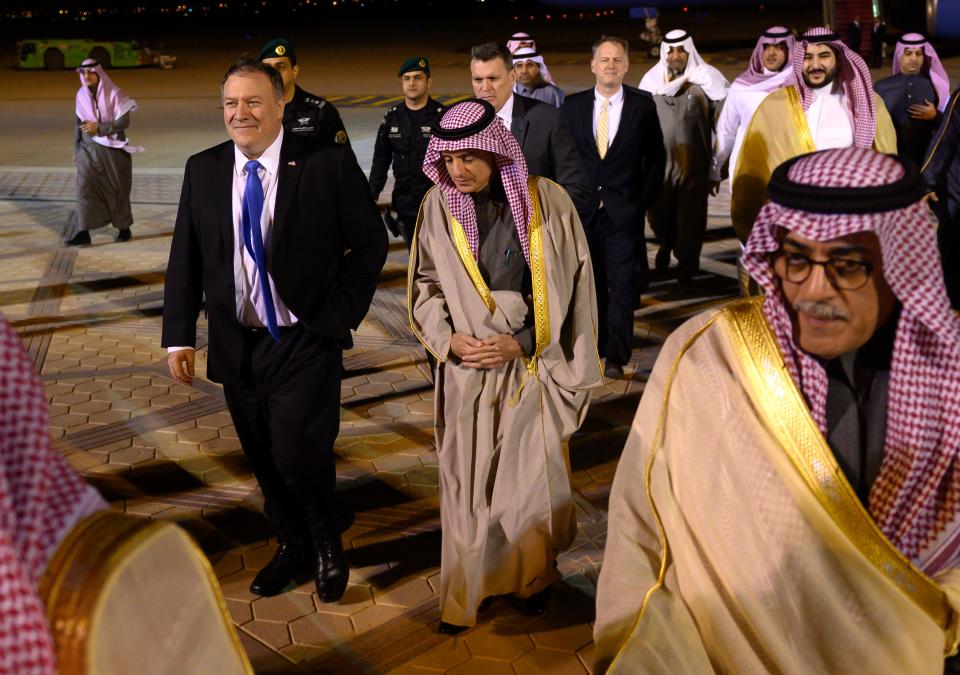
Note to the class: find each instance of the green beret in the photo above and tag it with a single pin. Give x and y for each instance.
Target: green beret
(278, 48)
(414, 63)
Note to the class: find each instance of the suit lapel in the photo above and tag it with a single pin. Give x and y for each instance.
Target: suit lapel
(586, 122)
(223, 195)
(519, 125)
(626, 117)
(288, 175)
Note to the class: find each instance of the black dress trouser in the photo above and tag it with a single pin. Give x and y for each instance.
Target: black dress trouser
(287, 420)
(618, 256)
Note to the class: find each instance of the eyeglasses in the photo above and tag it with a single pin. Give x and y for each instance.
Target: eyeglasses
(844, 273)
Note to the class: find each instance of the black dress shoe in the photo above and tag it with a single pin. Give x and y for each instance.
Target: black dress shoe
(536, 604)
(124, 235)
(662, 260)
(333, 572)
(450, 628)
(613, 371)
(289, 564)
(81, 238)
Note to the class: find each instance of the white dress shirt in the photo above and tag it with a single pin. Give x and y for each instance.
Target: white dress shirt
(506, 113)
(732, 124)
(614, 112)
(251, 309)
(829, 120)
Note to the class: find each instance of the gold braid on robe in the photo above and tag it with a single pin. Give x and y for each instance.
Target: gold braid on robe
(777, 132)
(736, 545)
(506, 504)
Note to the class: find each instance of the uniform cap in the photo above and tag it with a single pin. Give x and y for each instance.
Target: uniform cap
(278, 48)
(415, 63)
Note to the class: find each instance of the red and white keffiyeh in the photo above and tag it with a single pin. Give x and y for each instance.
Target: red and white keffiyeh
(933, 67)
(756, 76)
(854, 77)
(916, 498)
(109, 103)
(41, 498)
(491, 136)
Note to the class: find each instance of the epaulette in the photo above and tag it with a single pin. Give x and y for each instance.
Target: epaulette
(390, 110)
(317, 101)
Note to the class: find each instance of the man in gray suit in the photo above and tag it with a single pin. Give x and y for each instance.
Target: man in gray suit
(544, 137)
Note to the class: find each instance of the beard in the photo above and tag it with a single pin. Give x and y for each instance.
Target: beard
(830, 78)
(675, 72)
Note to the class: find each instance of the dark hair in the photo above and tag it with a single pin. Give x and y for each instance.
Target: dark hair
(615, 40)
(489, 51)
(246, 65)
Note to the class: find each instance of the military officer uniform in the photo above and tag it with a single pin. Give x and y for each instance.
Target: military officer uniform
(313, 117)
(402, 141)
(307, 115)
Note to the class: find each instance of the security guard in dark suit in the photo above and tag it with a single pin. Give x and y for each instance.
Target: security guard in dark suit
(306, 115)
(402, 140)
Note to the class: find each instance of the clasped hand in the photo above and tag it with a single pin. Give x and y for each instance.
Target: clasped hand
(490, 352)
(923, 111)
(91, 127)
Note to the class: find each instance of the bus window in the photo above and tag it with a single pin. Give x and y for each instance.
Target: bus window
(27, 50)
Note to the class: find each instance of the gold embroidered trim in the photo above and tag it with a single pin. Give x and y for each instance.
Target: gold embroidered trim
(470, 263)
(93, 552)
(647, 479)
(538, 278)
(943, 132)
(411, 273)
(800, 120)
(785, 412)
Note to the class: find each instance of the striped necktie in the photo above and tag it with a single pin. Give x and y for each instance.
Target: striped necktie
(602, 129)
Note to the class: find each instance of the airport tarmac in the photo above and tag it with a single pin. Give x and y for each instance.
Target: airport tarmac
(90, 321)
(179, 109)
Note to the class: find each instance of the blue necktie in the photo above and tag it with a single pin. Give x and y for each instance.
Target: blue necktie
(250, 212)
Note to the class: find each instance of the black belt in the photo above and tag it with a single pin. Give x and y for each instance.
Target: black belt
(259, 331)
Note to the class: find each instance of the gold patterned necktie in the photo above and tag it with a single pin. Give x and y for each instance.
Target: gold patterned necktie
(602, 129)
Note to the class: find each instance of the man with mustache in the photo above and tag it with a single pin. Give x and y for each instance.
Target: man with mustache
(532, 74)
(501, 291)
(788, 500)
(686, 90)
(768, 70)
(829, 103)
(915, 94)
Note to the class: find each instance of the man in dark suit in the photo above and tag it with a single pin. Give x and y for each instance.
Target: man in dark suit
(283, 239)
(619, 139)
(544, 138)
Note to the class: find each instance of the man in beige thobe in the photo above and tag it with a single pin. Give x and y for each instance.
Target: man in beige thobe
(787, 500)
(501, 292)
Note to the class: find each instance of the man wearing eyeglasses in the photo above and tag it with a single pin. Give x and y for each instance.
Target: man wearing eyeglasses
(798, 507)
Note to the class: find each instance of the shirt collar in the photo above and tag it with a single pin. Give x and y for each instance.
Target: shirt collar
(270, 159)
(506, 112)
(614, 100)
(827, 91)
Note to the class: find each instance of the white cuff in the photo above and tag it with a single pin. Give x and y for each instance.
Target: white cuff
(171, 350)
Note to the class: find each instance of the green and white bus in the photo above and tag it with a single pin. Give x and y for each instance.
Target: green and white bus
(59, 54)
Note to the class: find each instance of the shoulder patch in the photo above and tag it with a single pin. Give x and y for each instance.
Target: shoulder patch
(340, 137)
